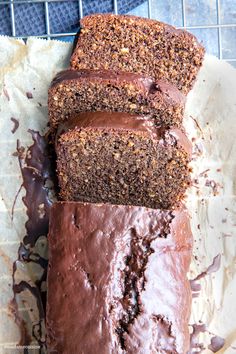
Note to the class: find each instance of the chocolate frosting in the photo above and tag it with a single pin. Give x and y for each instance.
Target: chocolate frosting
(126, 122)
(117, 279)
(110, 120)
(146, 84)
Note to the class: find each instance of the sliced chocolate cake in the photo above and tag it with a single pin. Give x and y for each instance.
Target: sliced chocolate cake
(139, 45)
(121, 159)
(117, 280)
(92, 90)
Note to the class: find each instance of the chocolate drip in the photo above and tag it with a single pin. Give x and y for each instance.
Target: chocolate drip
(217, 343)
(25, 338)
(195, 345)
(37, 174)
(16, 125)
(213, 267)
(37, 169)
(22, 286)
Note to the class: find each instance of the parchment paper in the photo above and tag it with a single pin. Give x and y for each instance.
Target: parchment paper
(210, 119)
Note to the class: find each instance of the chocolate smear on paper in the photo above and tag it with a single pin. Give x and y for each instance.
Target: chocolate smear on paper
(212, 268)
(195, 345)
(214, 186)
(37, 169)
(16, 125)
(29, 95)
(6, 94)
(217, 343)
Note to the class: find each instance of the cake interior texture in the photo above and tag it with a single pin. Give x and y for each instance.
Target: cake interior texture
(121, 159)
(117, 279)
(92, 90)
(135, 44)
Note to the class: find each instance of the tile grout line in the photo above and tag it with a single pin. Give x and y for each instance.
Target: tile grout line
(115, 7)
(47, 19)
(184, 14)
(13, 25)
(80, 9)
(219, 28)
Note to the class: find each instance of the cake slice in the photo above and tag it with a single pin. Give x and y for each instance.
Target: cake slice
(93, 90)
(121, 159)
(140, 45)
(117, 280)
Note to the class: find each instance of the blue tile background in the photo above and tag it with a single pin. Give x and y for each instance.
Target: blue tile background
(168, 11)
(228, 11)
(209, 38)
(200, 12)
(228, 42)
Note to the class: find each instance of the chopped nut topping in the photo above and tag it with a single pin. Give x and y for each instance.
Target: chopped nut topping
(124, 50)
(132, 106)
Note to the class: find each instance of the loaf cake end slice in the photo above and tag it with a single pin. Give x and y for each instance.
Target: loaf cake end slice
(141, 45)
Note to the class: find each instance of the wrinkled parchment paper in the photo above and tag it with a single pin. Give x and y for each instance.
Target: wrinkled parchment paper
(210, 120)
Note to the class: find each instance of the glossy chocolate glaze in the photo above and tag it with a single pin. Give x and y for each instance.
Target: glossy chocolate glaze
(146, 84)
(126, 122)
(111, 120)
(117, 279)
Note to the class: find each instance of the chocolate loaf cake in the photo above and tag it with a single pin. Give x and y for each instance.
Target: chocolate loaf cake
(140, 45)
(121, 158)
(92, 90)
(117, 280)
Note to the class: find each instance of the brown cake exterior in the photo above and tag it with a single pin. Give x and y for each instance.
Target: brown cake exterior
(139, 45)
(121, 159)
(117, 280)
(93, 90)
